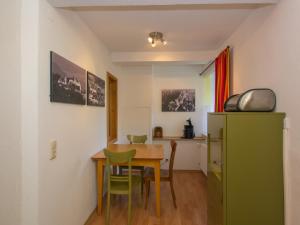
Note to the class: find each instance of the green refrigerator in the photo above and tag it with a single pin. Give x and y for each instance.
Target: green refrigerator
(245, 169)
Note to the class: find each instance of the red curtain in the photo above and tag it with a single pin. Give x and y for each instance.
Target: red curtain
(222, 80)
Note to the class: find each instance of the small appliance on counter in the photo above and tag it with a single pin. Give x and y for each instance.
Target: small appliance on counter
(158, 132)
(188, 131)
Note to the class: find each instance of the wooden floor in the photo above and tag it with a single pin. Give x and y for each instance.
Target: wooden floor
(190, 189)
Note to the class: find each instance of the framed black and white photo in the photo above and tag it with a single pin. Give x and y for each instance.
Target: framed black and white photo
(95, 90)
(68, 81)
(178, 100)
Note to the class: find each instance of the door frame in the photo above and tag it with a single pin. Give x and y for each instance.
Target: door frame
(109, 78)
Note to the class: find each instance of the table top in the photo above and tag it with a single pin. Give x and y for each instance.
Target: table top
(143, 151)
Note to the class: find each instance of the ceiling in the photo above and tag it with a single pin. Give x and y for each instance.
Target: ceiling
(195, 29)
(125, 29)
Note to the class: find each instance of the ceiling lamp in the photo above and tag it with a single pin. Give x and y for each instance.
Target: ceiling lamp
(156, 37)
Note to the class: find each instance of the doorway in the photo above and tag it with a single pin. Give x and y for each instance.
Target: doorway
(112, 108)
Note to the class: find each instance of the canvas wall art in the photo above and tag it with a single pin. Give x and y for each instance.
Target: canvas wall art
(178, 100)
(68, 81)
(95, 90)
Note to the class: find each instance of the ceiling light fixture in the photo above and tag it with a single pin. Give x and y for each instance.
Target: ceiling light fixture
(155, 37)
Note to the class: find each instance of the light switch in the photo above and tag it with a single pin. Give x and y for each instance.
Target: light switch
(53, 148)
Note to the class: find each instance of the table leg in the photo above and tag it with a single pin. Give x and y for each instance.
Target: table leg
(157, 187)
(100, 185)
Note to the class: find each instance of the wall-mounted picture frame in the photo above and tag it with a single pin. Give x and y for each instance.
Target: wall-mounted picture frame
(67, 81)
(95, 90)
(178, 100)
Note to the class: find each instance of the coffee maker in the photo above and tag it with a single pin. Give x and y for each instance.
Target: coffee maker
(188, 131)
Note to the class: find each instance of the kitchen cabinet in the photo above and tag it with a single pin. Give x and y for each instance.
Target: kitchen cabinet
(203, 157)
(188, 153)
(245, 169)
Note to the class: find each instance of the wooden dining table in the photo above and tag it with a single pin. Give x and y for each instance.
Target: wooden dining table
(148, 155)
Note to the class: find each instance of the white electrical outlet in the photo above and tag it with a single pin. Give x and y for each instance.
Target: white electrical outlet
(53, 149)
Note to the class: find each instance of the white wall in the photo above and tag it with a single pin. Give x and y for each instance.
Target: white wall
(29, 110)
(135, 101)
(10, 86)
(67, 185)
(266, 51)
(140, 99)
(176, 77)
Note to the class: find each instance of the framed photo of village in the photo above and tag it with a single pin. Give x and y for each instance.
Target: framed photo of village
(67, 81)
(178, 100)
(95, 90)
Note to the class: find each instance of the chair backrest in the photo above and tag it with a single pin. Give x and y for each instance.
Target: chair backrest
(118, 157)
(134, 139)
(172, 157)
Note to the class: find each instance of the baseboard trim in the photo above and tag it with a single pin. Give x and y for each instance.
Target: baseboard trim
(91, 217)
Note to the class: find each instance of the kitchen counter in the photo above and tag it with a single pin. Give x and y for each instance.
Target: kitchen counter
(177, 138)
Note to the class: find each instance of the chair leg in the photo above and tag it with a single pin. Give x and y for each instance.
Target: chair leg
(147, 184)
(142, 182)
(129, 208)
(173, 193)
(107, 217)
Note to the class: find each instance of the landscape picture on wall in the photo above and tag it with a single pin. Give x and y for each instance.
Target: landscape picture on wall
(95, 90)
(178, 100)
(68, 81)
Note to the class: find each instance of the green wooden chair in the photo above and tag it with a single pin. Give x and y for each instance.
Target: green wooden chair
(119, 184)
(134, 139)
